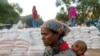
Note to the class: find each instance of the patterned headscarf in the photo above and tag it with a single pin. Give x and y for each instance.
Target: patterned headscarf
(56, 26)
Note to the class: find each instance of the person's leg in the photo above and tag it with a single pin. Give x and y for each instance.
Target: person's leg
(33, 23)
(73, 22)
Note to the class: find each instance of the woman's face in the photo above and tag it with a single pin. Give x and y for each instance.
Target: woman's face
(48, 37)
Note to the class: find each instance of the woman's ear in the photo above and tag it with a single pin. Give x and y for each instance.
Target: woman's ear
(57, 35)
(72, 46)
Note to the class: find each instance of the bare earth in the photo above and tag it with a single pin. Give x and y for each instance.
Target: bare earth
(93, 52)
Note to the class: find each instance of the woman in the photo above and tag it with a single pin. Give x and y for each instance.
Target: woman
(52, 35)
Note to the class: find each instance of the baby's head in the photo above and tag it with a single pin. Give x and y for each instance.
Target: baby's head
(79, 47)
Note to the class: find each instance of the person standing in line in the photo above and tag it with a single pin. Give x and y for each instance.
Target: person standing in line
(34, 16)
(52, 33)
(72, 16)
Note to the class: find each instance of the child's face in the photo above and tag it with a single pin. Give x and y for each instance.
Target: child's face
(79, 48)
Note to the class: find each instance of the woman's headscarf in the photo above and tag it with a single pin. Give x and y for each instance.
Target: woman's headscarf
(56, 26)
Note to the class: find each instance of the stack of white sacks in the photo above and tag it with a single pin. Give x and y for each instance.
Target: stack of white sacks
(90, 35)
(20, 42)
(27, 42)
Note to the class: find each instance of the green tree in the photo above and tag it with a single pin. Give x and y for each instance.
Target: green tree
(40, 21)
(7, 13)
(84, 7)
(28, 20)
(61, 16)
(89, 5)
(17, 8)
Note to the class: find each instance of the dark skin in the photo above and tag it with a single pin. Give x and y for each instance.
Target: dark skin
(79, 48)
(48, 37)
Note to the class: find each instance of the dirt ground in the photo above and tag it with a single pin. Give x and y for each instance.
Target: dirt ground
(90, 52)
(93, 52)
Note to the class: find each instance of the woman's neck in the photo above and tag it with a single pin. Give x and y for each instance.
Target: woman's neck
(56, 43)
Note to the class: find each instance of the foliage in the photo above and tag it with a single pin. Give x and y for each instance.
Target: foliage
(7, 13)
(61, 16)
(28, 20)
(17, 8)
(84, 8)
(40, 21)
